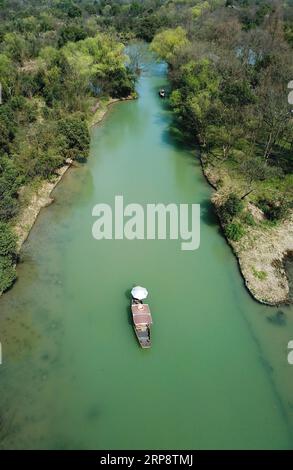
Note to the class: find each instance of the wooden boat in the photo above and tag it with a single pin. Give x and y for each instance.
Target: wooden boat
(162, 93)
(142, 321)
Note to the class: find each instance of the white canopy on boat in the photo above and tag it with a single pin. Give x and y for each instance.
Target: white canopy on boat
(139, 293)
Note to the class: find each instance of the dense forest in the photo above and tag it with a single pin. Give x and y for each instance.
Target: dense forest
(230, 63)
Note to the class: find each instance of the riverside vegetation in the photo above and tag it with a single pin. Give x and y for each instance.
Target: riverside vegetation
(55, 61)
(230, 66)
(230, 63)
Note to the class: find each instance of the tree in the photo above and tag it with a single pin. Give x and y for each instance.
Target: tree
(75, 132)
(256, 169)
(198, 85)
(7, 77)
(7, 273)
(99, 63)
(72, 32)
(168, 43)
(7, 241)
(199, 9)
(147, 26)
(15, 46)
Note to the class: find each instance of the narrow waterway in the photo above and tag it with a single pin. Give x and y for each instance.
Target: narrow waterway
(73, 376)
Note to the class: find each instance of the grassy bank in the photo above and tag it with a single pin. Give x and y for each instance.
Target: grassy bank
(261, 246)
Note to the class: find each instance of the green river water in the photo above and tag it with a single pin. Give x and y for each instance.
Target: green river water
(73, 375)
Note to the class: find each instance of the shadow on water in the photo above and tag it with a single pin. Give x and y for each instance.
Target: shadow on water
(278, 319)
(128, 309)
(154, 68)
(164, 102)
(128, 292)
(175, 135)
(93, 413)
(208, 215)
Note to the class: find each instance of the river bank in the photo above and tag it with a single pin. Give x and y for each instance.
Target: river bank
(38, 196)
(261, 252)
(34, 200)
(65, 327)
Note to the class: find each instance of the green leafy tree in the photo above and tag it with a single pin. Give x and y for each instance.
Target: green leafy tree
(7, 273)
(169, 42)
(7, 77)
(71, 33)
(7, 241)
(15, 46)
(198, 85)
(76, 137)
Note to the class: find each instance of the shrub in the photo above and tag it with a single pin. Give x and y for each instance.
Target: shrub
(232, 207)
(9, 183)
(72, 33)
(7, 127)
(7, 256)
(46, 163)
(273, 210)
(247, 218)
(7, 241)
(76, 136)
(234, 231)
(8, 207)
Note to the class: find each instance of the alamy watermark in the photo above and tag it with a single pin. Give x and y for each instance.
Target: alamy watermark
(149, 222)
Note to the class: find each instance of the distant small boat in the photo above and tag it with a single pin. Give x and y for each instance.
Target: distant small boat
(141, 315)
(162, 93)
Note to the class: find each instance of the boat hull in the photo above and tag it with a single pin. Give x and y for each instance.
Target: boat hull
(144, 338)
(142, 321)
